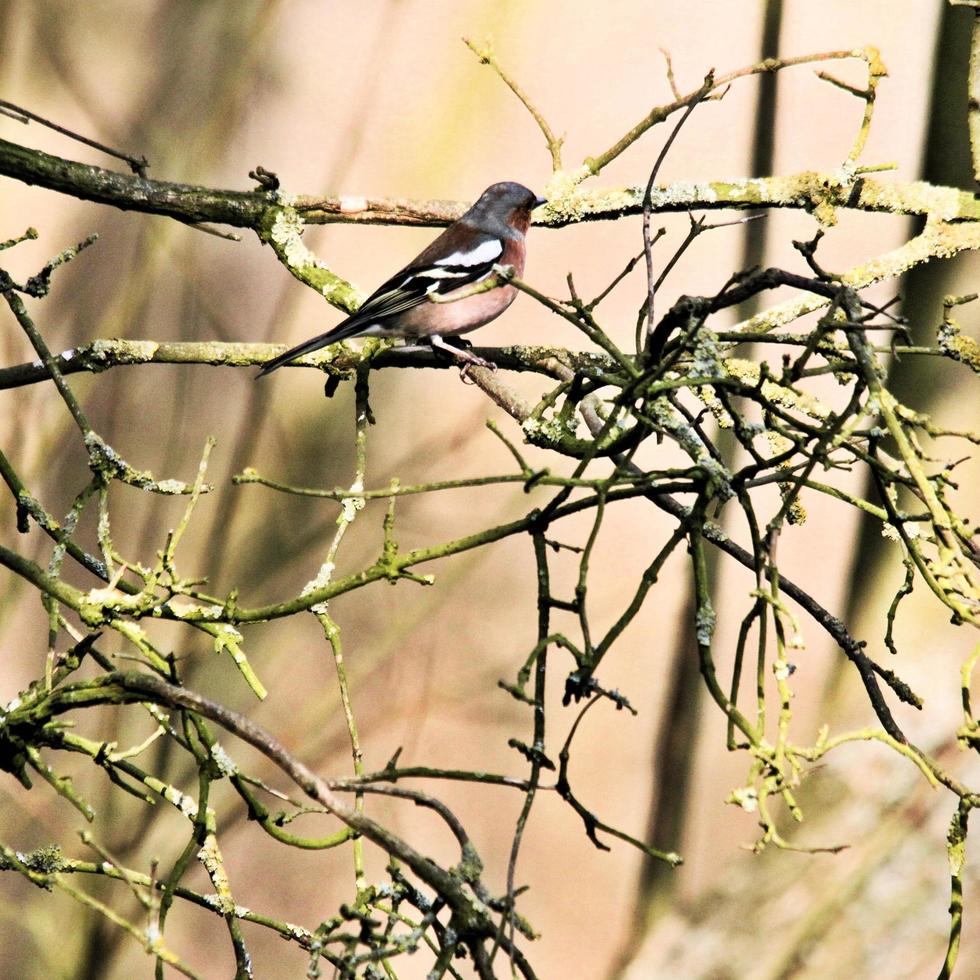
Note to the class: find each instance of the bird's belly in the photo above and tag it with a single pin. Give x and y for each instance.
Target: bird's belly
(448, 318)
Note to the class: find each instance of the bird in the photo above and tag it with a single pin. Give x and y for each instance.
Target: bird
(488, 238)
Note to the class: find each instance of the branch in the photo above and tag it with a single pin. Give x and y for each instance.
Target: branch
(487, 57)
(809, 190)
(660, 113)
(100, 355)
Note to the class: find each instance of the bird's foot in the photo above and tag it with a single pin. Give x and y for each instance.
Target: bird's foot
(459, 352)
(464, 371)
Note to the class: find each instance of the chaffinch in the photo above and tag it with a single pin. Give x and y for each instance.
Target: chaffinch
(489, 236)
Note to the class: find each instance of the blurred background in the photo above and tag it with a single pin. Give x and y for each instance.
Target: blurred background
(384, 99)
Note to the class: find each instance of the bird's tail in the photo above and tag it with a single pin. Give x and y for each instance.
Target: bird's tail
(342, 331)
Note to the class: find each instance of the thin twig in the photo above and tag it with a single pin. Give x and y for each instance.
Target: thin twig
(706, 87)
(487, 57)
(138, 165)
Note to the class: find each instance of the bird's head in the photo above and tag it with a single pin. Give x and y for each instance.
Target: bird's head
(507, 202)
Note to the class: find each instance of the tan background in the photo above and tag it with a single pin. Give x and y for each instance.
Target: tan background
(382, 98)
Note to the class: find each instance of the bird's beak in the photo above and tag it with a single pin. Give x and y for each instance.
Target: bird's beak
(538, 201)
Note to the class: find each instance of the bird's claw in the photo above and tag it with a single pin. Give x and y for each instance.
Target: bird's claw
(461, 352)
(464, 371)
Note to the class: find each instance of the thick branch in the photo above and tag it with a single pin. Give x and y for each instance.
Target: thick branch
(99, 355)
(129, 192)
(819, 193)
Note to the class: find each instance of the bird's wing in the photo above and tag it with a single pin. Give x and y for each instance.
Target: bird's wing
(436, 270)
(416, 282)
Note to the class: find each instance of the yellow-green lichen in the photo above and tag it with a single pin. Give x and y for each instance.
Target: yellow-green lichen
(210, 856)
(953, 344)
(285, 235)
(748, 373)
(568, 201)
(282, 228)
(706, 395)
(746, 797)
(683, 193)
(543, 431)
(109, 352)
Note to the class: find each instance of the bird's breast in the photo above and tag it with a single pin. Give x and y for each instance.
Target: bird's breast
(448, 318)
